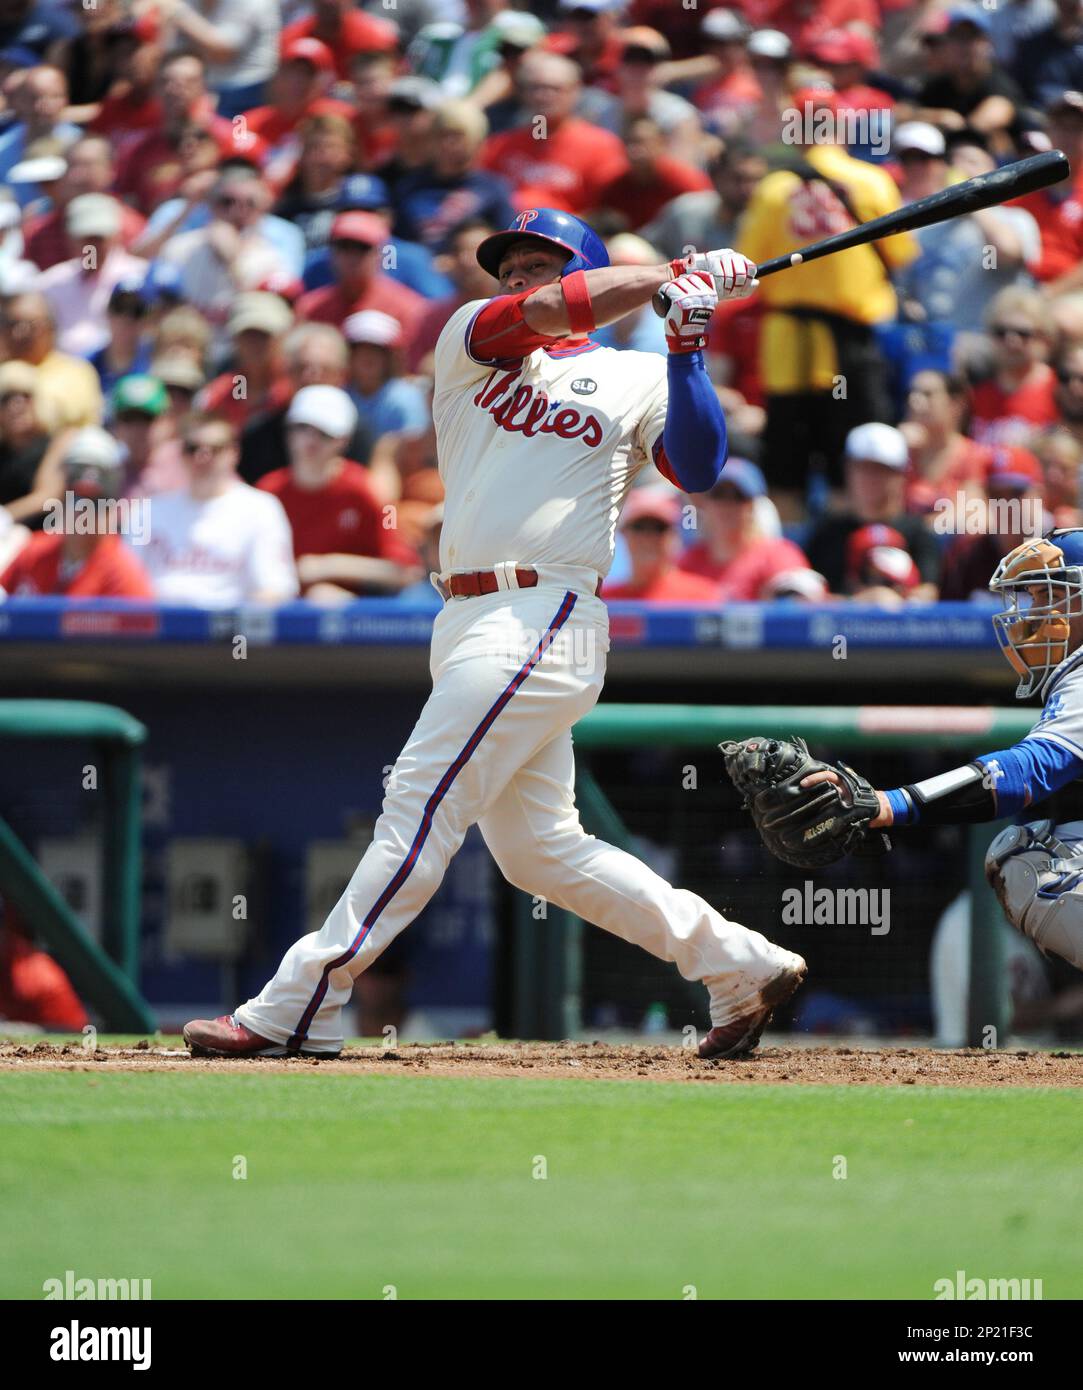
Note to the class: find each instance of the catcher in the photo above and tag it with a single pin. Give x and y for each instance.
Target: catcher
(810, 814)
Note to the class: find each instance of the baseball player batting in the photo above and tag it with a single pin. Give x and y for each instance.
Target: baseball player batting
(540, 434)
(810, 814)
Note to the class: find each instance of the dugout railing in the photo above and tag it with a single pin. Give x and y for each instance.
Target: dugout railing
(546, 964)
(105, 975)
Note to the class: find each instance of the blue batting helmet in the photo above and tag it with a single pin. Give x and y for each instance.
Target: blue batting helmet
(586, 250)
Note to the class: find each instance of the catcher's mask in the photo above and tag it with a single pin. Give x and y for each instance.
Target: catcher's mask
(1042, 584)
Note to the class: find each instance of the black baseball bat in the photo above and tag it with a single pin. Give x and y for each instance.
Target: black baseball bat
(984, 191)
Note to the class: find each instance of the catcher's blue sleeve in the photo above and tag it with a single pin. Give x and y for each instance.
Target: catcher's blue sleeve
(693, 444)
(1017, 776)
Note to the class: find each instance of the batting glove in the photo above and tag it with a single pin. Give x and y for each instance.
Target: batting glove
(734, 275)
(691, 300)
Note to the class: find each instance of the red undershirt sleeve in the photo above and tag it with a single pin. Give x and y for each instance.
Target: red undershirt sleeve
(500, 333)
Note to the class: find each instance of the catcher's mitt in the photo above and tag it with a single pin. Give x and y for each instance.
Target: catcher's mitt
(805, 826)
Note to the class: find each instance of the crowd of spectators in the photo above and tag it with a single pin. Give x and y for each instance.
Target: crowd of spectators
(231, 231)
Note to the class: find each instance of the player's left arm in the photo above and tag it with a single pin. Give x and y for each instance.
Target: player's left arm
(993, 786)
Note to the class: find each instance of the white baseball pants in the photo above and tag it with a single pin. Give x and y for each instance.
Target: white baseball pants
(512, 673)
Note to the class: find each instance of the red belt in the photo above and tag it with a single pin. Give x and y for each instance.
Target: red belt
(485, 582)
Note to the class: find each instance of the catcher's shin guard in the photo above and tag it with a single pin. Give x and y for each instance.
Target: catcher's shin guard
(1040, 887)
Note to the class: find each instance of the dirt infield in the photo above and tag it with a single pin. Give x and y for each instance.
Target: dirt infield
(769, 1065)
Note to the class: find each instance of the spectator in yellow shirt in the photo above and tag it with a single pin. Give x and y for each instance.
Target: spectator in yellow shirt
(821, 369)
(69, 385)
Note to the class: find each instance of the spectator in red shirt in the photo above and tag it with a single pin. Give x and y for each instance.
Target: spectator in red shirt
(1061, 456)
(90, 170)
(943, 461)
(735, 554)
(649, 527)
(1058, 210)
(94, 563)
(848, 57)
(256, 382)
(573, 162)
(150, 167)
(356, 240)
(371, 78)
(1015, 513)
(652, 178)
(1018, 398)
(643, 62)
(730, 96)
(297, 90)
(131, 104)
(590, 38)
(345, 30)
(459, 263)
(341, 539)
(1068, 396)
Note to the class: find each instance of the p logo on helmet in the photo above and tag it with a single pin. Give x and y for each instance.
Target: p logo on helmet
(1042, 584)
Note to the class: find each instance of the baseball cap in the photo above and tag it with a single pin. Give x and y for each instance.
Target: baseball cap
(796, 583)
(163, 282)
(919, 135)
(259, 310)
(93, 214)
(641, 38)
(44, 168)
(138, 394)
(417, 92)
(598, 6)
(818, 93)
(843, 46)
(373, 326)
(93, 448)
(879, 444)
(363, 193)
(17, 376)
(1067, 101)
(17, 55)
(311, 51)
(662, 504)
(966, 14)
(326, 408)
(127, 293)
(723, 26)
(364, 227)
(517, 28)
(1014, 467)
(877, 554)
(744, 476)
(769, 43)
(178, 370)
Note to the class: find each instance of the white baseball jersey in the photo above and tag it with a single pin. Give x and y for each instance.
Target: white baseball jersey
(537, 459)
(1061, 719)
(220, 551)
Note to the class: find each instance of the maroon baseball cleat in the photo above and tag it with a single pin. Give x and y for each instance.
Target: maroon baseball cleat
(739, 1038)
(226, 1037)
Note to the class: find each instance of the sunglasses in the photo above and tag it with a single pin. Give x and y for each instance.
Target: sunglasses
(227, 201)
(197, 446)
(648, 525)
(1008, 330)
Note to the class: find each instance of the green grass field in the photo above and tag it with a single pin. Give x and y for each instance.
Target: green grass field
(425, 1183)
